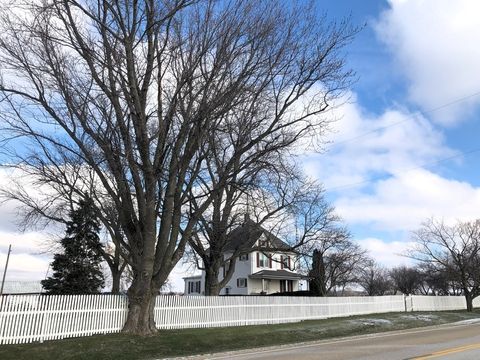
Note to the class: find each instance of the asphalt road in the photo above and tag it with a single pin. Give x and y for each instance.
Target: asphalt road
(458, 341)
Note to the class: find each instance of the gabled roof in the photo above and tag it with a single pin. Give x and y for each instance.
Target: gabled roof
(246, 235)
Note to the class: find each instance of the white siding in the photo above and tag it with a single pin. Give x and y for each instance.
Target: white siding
(242, 270)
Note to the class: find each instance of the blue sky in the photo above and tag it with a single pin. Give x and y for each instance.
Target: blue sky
(412, 56)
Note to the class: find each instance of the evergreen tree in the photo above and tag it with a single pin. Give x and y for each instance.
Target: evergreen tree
(77, 270)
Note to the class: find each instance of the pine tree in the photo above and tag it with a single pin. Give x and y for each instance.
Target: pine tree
(77, 270)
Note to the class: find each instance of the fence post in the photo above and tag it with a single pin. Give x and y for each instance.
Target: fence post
(408, 299)
(44, 314)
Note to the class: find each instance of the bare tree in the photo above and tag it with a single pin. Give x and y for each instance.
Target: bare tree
(454, 250)
(334, 264)
(406, 279)
(264, 196)
(326, 246)
(374, 279)
(437, 281)
(134, 90)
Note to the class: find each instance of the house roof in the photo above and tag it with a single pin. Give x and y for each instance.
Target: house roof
(246, 235)
(276, 274)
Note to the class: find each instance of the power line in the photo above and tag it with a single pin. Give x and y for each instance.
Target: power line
(409, 118)
(396, 173)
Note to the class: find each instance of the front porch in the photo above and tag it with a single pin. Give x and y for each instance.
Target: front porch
(267, 282)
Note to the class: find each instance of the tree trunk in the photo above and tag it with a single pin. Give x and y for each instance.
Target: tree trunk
(469, 299)
(212, 285)
(116, 276)
(141, 302)
(318, 286)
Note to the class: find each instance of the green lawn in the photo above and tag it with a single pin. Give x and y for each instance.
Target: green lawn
(198, 341)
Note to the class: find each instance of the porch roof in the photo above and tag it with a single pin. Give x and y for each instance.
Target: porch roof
(276, 275)
(192, 277)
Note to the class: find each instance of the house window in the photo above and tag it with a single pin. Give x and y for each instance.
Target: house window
(194, 287)
(242, 282)
(243, 257)
(227, 290)
(263, 260)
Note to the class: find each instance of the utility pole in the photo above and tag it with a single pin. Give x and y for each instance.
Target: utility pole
(6, 266)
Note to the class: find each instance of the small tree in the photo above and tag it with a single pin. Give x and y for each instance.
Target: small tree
(335, 261)
(374, 279)
(77, 270)
(405, 279)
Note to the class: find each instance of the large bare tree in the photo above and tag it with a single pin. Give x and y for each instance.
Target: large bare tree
(134, 90)
(453, 249)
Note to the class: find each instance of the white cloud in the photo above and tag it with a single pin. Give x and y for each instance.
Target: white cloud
(401, 203)
(28, 242)
(379, 183)
(389, 254)
(435, 42)
(23, 266)
(405, 141)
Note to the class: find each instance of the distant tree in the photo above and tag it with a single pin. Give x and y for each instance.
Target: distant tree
(374, 279)
(437, 281)
(454, 250)
(77, 270)
(405, 279)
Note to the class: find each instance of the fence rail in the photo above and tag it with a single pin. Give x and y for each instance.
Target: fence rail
(31, 318)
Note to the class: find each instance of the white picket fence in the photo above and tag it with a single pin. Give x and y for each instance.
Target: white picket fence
(439, 303)
(175, 312)
(30, 318)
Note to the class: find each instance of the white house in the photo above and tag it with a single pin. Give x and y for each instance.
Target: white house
(267, 267)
